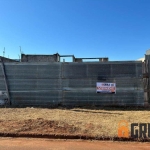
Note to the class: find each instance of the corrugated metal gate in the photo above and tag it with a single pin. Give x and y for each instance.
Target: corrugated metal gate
(73, 84)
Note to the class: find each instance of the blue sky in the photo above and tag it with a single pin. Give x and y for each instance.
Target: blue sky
(118, 29)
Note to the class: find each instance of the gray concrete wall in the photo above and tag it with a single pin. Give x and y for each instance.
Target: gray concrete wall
(4, 59)
(39, 58)
(73, 84)
(147, 77)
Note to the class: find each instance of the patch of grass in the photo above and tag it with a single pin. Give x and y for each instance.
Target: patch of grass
(94, 122)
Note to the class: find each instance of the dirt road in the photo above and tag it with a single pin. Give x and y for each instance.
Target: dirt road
(47, 144)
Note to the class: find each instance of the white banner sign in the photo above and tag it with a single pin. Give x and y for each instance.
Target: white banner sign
(102, 87)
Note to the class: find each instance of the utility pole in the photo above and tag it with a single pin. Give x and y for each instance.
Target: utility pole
(4, 52)
(20, 54)
(20, 50)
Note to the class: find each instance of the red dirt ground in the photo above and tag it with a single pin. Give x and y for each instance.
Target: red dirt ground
(46, 144)
(38, 126)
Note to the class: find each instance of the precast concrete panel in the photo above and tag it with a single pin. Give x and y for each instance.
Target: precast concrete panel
(73, 84)
(82, 91)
